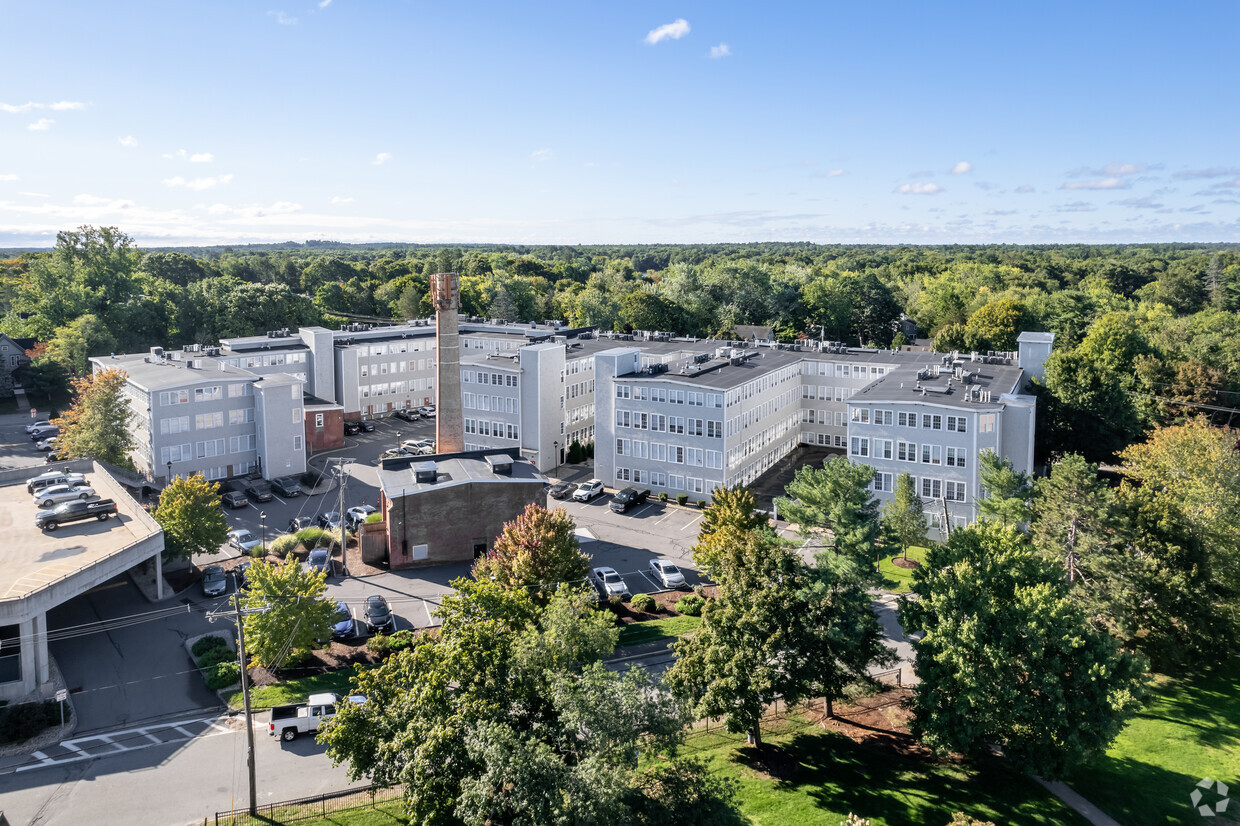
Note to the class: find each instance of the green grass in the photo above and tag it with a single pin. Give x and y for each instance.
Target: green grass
(898, 580)
(296, 690)
(660, 629)
(818, 777)
(1189, 729)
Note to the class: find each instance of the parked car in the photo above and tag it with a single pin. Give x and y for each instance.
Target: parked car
(242, 573)
(214, 582)
(560, 490)
(47, 444)
(243, 540)
(378, 615)
(609, 583)
(418, 447)
(630, 497)
(408, 415)
(53, 456)
(351, 428)
(303, 718)
(259, 491)
(234, 499)
(588, 490)
(55, 494)
(396, 453)
(287, 486)
(33, 426)
(427, 412)
(319, 560)
(297, 523)
(46, 432)
(328, 521)
(357, 515)
(75, 511)
(53, 477)
(665, 572)
(358, 425)
(344, 628)
(367, 426)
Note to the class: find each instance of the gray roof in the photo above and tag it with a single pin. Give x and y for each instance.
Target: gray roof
(904, 384)
(397, 478)
(1036, 338)
(155, 375)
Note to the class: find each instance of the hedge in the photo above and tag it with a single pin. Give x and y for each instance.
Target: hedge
(690, 605)
(642, 602)
(207, 644)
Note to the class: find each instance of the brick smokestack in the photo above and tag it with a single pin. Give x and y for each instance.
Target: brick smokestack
(449, 422)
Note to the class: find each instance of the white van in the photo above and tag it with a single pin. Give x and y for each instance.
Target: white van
(53, 477)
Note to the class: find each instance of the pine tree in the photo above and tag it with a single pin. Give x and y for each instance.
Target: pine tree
(905, 514)
(1006, 492)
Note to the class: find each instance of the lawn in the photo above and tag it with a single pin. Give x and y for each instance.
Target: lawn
(1189, 730)
(897, 580)
(651, 630)
(296, 690)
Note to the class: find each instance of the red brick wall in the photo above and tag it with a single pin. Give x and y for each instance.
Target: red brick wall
(330, 435)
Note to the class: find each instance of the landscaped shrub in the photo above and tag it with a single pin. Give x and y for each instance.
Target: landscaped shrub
(642, 602)
(257, 552)
(21, 722)
(331, 538)
(615, 600)
(590, 450)
(401, 640)
(681, 498)
(310, 538)
(284, 545)
(380, 645)
(223, 675)
(690, 605)
(208, 644)
(374, 517)
(702, 504)
(214, 657)
(662, 496)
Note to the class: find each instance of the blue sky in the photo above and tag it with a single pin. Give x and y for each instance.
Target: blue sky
(209, 121)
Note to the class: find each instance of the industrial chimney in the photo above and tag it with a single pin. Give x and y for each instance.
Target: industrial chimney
(449, 424)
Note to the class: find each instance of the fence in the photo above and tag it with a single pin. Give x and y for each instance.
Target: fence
(312, 808)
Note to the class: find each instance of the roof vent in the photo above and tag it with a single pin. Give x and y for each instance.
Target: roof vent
(500, 464)
(424, 473)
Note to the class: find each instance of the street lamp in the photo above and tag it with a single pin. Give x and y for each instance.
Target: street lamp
(169, 477)
(557, 457)
(262, 520)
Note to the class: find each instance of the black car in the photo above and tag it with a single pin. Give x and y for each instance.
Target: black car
(242, 573)
(299, 522)
(368, 427)
(328, 521)
(407, 415)
(287, 486)
(259, 491)
(561, 490)
(351, 428)
(378, 615)
(630, 497)
(234, 499)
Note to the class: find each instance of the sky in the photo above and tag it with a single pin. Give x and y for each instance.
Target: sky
(220, 121)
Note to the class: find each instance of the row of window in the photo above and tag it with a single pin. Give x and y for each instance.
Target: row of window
(501, 430)
(692, 398)
(928, 488)
(487, 377)
(659, 479)
(931, 454)
(761, 385)
(827, 394)
(268, 360)
(395, 388)
(842, 371)
(401, 346)
(500, 404)
(759, 412)
(214, 393)
(835, 417)
(386, 367)
(659, 423)
(676, 454)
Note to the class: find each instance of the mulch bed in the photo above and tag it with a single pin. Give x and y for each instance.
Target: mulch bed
(907, 564)
(881, 720)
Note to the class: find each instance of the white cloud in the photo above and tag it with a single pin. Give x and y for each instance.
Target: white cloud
(201, 157)
(721, 50)
(282, 18)
(962, 167)
(1212, 172)
(1076, 206)
(8, 176)
(108, 204)
(1024, 189)
(58, 106)
(1000, 212)
(1104, 183)
(919, 189)
(336, 199)
(35, 194)
(41, 125)
(324, 3)
(674, 31)
(252, 211)
(180, 153)
(129, 141)
(198, 184)
(541, 155)
(1124, 168)
(381, 158)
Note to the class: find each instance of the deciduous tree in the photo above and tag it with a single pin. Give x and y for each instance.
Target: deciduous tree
(293, 613)
(97, 425)
(189, 512)
(538, 548)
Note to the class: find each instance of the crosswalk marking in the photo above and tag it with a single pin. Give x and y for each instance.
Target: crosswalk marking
(114, 742)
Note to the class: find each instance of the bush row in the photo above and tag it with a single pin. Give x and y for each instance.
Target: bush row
(23, 721)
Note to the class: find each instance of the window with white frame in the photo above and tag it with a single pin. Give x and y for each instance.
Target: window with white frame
(694, 457)
(318, 419)
(623, 391)
(623, 474)
(714, 459)
(659, 480)
(906, 419)
(208, 394)
(174, 424)
(176, 453)
(210, 448)
(931, 454)
(694, 485)
(955, 457)
(861, 415)
(658, 451)
(986, 423)
(714, 430)
(882, 448)
(676, 482)
(204, 421)
(931, 488)
(859, 446)
(242, 444)
(170, 397)
(954, 492)
(956, 424)
(906, 451)
(883, 482)
(676, 454)
(883, 417)
(623, 418)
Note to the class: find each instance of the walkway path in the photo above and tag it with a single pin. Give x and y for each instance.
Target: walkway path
(1079, 804)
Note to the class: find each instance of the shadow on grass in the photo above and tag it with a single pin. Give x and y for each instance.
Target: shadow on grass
(1137, 793)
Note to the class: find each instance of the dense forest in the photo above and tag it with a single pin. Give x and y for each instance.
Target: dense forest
(1144, 334)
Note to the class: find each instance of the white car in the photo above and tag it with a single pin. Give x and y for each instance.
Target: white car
(55, 494)
(357, 515)
(588, 490)
(418, 447)
(243, 540)
(31, 428)
(609, 583)
(665, 572)
(427, 412)
(47, 444)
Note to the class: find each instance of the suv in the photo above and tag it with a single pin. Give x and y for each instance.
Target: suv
(628, 498)
(588, 490)
(378, 615)
(427, 412)
(53, 477)
(351, 428)
(287, 486)
(259, 491)
(357, 424)
(407, 414)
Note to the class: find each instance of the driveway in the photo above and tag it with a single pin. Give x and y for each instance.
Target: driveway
(16, 448)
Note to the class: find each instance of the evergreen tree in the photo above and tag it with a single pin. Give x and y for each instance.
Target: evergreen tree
(905, 515)
(1006, 492)
(837, 497)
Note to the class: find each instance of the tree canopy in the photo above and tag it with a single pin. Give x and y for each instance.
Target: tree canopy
(190, 515)
(97, 425)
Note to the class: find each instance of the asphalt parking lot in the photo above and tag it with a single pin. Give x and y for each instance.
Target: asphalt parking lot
(16, 448)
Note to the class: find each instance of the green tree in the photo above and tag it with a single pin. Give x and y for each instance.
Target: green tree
(1006, 491)
(905, 514)
(176, 267)
(1085, 408)
(190, 515)
(97, 425)
(1078, 524)
(837, 498)
(292, 612)
(995, 326)
(1007, 658)
(730, 507)
(538, 548)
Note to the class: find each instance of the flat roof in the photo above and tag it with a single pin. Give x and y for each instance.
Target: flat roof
(151, 375)
(32, 560)
(453, 469)
(905, 385)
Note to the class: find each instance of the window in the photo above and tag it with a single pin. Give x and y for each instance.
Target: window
(931, 488)
(694, 457)
(956, 424)
(932, 454)
(986, 423)
(623, 418)
(696, 399)
(906, 451)
(175, 424)
(676, 482)
(237, 390)
(907, 420)
(241, 444)
(882, 417)
(318, 419)
(696, 427)
(675, 424)
(934, 422)
(714, 430)
(714, 459)
(658, 451)
(296, 443)
(955, 457)
(954, 492)
(623, 474)
(210, 448)
(694, 485)
(176, 453)
(622, 447)
(861, 414)
(659, 480)
(207, 420)
(882, 482)
(859, 447)
(208, 394)
(676, 454)
(882, 448)
(467, 400)
(623, 391)
(296, 415)
(241, 416)
(173, 397)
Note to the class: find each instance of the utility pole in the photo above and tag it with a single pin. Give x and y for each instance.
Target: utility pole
(343, 541)
(245, 689)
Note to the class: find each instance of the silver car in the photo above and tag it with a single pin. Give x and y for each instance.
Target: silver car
(665, 572)
(243, 540)
(609, 583)
(55, 494)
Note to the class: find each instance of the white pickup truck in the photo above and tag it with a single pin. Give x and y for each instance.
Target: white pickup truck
(300, 718)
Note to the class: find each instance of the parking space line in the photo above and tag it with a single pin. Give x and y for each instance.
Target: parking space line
(643, 510)
(699, 516)
(658, 586)
(665, 518)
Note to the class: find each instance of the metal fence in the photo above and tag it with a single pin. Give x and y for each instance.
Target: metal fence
(312, 808)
